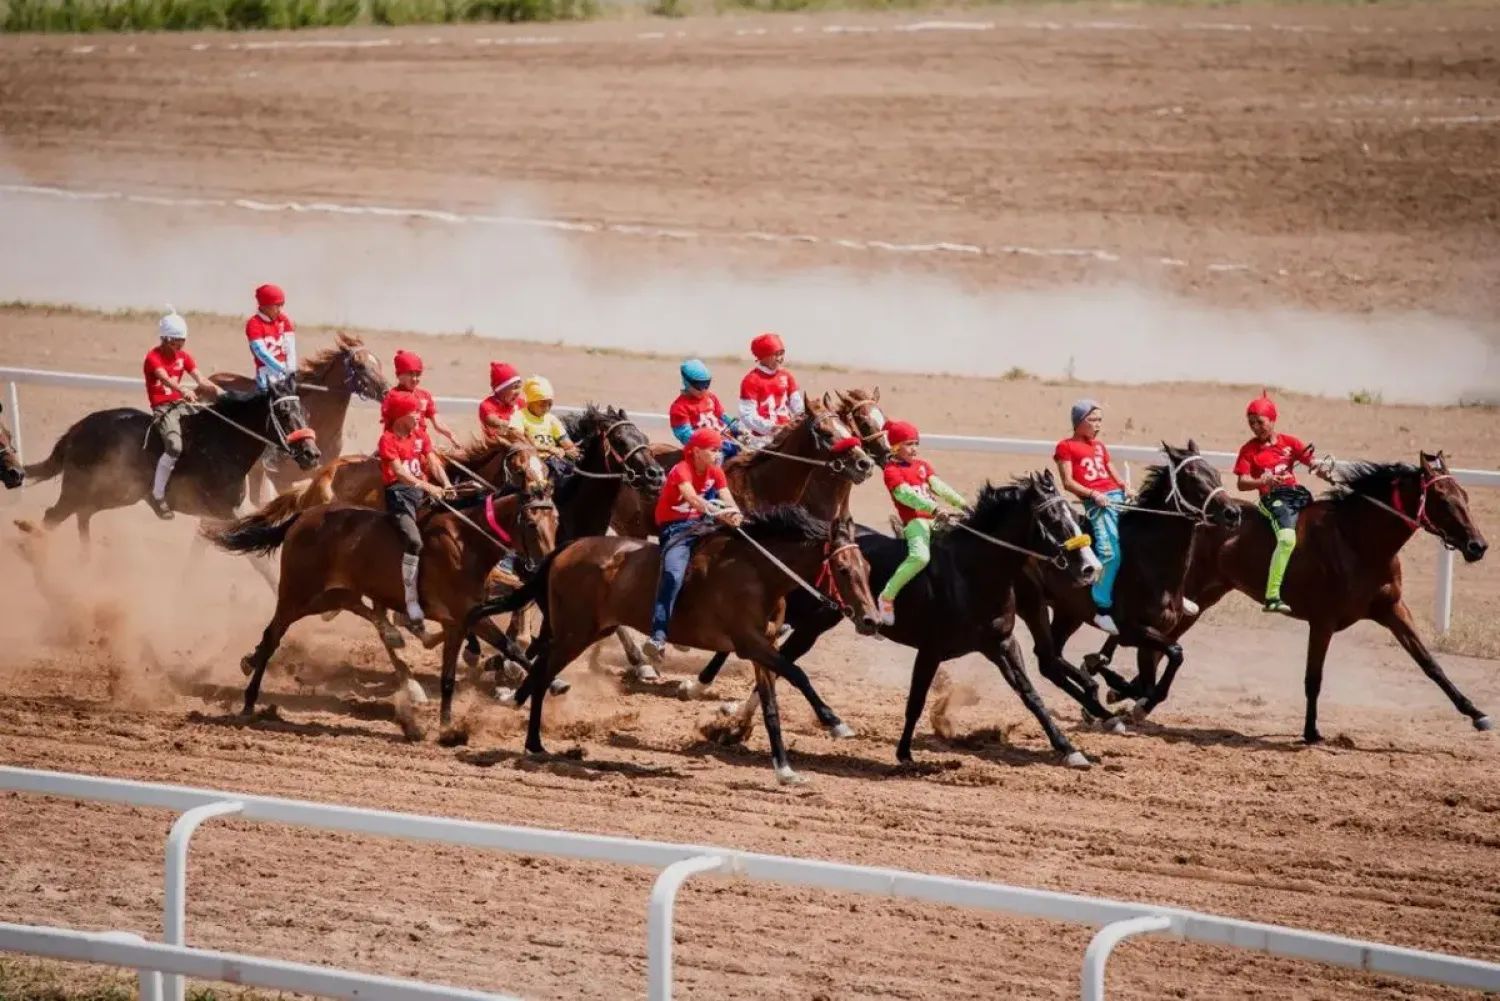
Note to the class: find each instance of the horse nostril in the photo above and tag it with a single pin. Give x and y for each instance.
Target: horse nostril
(1476, 549)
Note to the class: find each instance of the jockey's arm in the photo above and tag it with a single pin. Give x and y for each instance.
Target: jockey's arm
(753, 422)
(405, 477)
(160, 374)
(1247, 482)
(438, 471)
(209, 388)
(442, 429)
(682, 432)
(267, 360)
(906, 494)
(724, 507)
(796, 403)
(1109, 466)
(946, 493)
(1072, 486)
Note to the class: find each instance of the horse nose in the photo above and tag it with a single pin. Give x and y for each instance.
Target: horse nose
(12, 478)
(868, 625)
(1090, 573)
(1475, 550)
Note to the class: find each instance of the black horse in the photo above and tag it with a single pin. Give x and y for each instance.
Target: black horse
(107, 459)
(1157, 534)
(11, 472)
(964, 601)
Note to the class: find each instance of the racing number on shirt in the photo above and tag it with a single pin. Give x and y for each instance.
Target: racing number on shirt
(1092, 469)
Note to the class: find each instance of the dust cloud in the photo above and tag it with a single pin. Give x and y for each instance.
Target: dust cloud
(515, 281)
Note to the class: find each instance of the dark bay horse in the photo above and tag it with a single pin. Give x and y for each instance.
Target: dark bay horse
(732, 599)
(964, 601)
(1156, 539)
(334, 557)
(326, 384)
(1346, 568)
(107, 459)
(12, 473)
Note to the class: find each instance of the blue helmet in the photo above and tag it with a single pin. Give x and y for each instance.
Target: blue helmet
(696, 374)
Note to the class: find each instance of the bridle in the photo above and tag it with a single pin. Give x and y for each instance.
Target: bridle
(287, 438)
(860, 406)
(613, 456)
(1061, 549)
(1179, 500)
(1422, 521)
(839, 444)
(827, 582)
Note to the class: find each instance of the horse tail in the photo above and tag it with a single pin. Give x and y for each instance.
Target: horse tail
(262, 532)
(533, 589)
(52, 465)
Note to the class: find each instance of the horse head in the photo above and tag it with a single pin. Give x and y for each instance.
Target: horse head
(859, 408)
(831, 437)
(846, 576)
(358, 369)
(536, 530)
(622, 448)
(287, 423)
(12, 473)
(1193, 487)
(1442, 507)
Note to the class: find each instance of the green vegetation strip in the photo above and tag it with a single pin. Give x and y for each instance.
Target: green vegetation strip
(84, 16)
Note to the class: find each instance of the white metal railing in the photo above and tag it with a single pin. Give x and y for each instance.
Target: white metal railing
(1117, 920)
(1443, 598)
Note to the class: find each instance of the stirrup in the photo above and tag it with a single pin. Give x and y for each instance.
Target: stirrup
(159, 505)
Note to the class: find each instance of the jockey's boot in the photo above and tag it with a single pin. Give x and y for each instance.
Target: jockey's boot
(158, 497)
(409, 565)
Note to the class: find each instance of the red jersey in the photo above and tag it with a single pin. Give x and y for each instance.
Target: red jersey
(913, 473)
(178, 365)
(395, 450)
(489, 407)
(1277, 456)
(1090, 462)
(270, 336)
(671, 506)
(703, 412)
(771, 394)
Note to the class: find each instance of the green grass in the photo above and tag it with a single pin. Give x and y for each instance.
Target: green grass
(44, 980)
(88, 16)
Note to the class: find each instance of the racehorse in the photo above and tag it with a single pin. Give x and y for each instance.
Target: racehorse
(326, 383)
(1346, 568)
(335, 556)
(12, 474)
(964, 601)
(108, 459)
(1156, 538)
(732, 599)
(818, 442)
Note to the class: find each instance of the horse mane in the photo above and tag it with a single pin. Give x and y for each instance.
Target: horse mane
(785, 523)
(779, 439)
(592, 420)
(483, 449)
(1155, 488)
(341, 342)
(994, 503)
(1369, 479)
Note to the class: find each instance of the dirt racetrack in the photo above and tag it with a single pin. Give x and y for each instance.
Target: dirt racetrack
(1215, 145)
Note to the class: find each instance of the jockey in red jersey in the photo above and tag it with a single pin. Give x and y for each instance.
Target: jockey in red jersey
(769, 395)
(697, 407)
(496, 410)
(166, 369)
(272, 337)
(408, 468)
(1266, 464)
(409, 377)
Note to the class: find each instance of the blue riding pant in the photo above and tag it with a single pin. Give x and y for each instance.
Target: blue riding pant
(676, 553)
(1104, 526)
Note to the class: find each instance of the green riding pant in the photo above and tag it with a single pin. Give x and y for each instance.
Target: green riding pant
(1281, 506)
(918, 535)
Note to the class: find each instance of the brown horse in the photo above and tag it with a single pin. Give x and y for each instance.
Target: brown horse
(326, 383)
(733, 599)
(12, 473)
(335, 556)
(816, 444)
(1346, 568)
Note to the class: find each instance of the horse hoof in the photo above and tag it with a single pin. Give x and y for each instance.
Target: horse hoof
(414, 691)
(689, 689)
(506, 697)
(1139, 711)
(1092, 662)
(787, 777)
(729, 709)
(247, 667)
(1116, 725)
(558, 687)
(471, 658)
(841, 731)
(1483, 723)
(330, 616)
(646, 672)
(511, 674)
(1077, 760)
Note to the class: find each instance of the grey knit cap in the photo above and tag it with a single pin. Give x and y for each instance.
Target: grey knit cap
(1082, 409)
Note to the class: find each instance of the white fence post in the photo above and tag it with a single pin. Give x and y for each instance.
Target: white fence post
(149, 980)
(659, 921)
(1104, 942)
(13, 407)
(1442, 613)
(174, 900)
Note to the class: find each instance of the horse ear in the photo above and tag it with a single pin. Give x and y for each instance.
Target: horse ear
(876, 395)
(828, 401)
(838, 394)
(1192, 446)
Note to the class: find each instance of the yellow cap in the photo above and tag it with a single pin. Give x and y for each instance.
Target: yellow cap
(536, 389)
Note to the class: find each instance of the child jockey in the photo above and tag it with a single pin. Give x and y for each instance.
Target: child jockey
(496, 410)
(273, 339)
(537, 421)
(409, 469)
(697, 407)
(1086, 472)
(769, 396)
(409, 377)
(913, 484)
(1265, 464)
(695, 490)
(166, 368)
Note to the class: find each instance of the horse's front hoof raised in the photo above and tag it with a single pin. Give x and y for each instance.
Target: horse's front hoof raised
(247, 665)
(1483, 723)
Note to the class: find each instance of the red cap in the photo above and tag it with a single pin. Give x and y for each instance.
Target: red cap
(897, 432)
(1262, 406)
(407, 363)
(766, 345)
(502, 375)
(270, 295)
(706, 439)
(398, 404)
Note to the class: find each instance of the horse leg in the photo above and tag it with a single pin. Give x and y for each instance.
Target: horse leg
(772, 659)
(1007, 657)
(765, 685)
(254, 664)
(922, 672)
(1397, 618)
(86, 534)
(1154, 646)
(691, 688)
(643, 670)
(1318, 637)
(453, 639)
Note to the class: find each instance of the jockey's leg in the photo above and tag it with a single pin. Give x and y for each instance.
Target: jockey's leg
(918, 533)
(401, 501)
(169, 426)
(1104, 523)
(1281, 508)
(675, 556)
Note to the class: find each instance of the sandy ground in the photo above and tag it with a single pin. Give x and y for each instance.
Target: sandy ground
(1205, 144)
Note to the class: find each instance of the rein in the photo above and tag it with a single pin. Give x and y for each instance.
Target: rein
(611, 454)
(1421, 520)
(302, 434)
(1058, 559)
(1183, 509)
(843, 444)
(823, 599)
(825, 573)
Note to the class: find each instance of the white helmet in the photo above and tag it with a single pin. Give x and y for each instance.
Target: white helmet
(172, 326)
